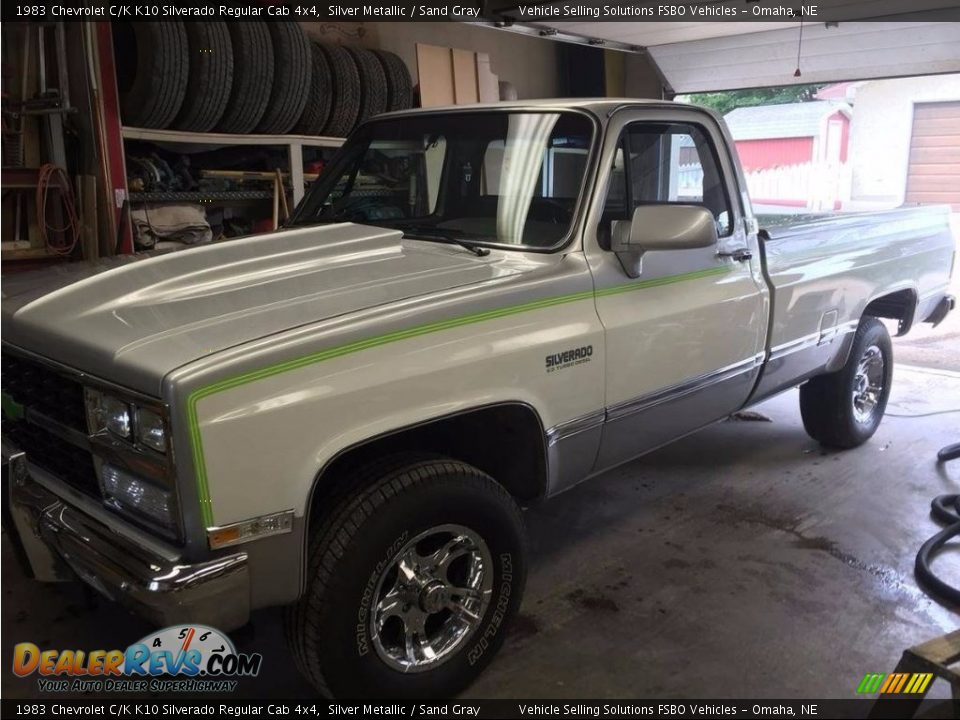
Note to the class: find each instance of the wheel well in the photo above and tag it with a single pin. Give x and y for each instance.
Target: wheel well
(900, 306)
(505, 441)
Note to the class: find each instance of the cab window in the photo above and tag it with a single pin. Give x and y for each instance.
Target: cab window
(665, 163)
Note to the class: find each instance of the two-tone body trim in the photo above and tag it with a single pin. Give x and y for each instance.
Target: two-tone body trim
(675, 392)
(193, 421)
(571, 428)
(813, 339)
(574, 445)
(565, 430)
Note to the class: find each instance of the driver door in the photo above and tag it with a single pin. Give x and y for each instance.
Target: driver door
(685, 337)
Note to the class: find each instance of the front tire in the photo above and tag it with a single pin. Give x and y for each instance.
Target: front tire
(411, 581)
(843, 409)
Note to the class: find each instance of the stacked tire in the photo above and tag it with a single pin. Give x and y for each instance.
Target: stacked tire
(399, 83)
(373, 83)
(291, 78)
(319, 106)
(152, 78)
(363, 83)
(344, 91)
(251, 77)
(253, 69)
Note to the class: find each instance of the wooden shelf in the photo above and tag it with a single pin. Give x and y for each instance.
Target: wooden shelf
(32, 253)
(25, 178)
(192, 138)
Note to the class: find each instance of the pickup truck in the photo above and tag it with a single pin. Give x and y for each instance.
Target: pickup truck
(473, 309)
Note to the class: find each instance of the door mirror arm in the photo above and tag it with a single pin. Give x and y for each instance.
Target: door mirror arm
(660, 227)
(629, 254)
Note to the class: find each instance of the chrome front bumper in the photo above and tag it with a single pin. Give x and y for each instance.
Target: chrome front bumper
(58, 541)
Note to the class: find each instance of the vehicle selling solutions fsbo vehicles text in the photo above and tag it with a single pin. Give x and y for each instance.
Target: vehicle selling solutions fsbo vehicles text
(616, 10)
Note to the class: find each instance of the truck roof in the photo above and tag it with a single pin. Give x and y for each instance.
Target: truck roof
(597, 106)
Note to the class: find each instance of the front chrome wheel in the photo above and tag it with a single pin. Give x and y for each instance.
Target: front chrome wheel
(868, 384)
(431, 597)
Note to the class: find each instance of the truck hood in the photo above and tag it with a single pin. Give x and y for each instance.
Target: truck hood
(133, 319)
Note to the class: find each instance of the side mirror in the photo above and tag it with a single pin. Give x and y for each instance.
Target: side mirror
(661, 227)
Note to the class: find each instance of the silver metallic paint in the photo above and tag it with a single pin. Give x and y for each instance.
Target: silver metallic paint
(165, 326)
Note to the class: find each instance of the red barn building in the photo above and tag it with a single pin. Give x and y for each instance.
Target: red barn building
(794, 155)
(769, 136)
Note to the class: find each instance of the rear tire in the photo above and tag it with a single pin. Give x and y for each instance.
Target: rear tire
(367, 593)
(843, 409)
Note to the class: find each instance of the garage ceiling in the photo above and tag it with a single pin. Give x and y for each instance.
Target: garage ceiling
(873, 39)
(852, 51)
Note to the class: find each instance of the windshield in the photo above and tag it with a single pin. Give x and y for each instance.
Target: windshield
(500, 178)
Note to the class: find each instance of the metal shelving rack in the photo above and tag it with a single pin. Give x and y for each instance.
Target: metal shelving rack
(294, 144)
(212, 197)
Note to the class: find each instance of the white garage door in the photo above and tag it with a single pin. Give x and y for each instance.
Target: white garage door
(710, 56)
(933, 175)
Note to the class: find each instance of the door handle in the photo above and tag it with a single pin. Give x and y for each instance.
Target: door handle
(740, 254)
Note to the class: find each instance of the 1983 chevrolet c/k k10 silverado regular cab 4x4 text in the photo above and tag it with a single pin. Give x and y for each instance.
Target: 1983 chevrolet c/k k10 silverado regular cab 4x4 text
(472, 309)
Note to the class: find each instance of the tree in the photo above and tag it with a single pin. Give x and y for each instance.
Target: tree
(724, 102)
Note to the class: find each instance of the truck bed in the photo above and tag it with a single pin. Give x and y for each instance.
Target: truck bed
(825, 270)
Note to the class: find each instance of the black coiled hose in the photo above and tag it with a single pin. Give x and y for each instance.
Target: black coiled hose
(945, 509)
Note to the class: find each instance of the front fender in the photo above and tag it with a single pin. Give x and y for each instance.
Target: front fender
(257, 443)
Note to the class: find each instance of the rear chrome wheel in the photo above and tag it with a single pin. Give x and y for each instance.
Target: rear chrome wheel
(843, 409)
(868, 384)
(431, 598)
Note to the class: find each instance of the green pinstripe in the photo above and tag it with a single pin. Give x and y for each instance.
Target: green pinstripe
(196, 442)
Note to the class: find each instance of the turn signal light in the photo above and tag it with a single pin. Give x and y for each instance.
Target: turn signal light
(264, 526)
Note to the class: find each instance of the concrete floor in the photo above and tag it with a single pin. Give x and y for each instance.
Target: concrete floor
(932, 347)
(741, 561)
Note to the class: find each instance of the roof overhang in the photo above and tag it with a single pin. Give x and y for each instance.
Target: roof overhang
(847, 40)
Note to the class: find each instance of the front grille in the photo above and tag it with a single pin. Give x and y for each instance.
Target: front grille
(67, 462)
(39, 388)
(44, 390)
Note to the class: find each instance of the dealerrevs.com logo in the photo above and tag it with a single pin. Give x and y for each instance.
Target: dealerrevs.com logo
(183, 658)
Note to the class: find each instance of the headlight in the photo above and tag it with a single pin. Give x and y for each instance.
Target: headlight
(126, 420)
(130, 492)
(133, 458)
(115, 416)
(151, 430)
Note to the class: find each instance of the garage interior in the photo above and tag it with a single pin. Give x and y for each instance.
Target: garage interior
(668, 576)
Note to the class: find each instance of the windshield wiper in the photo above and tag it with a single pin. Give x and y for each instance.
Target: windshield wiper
(428, 232)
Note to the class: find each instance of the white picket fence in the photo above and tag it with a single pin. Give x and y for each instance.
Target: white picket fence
(812, 185)
(690, 181)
